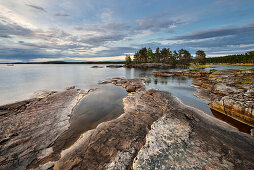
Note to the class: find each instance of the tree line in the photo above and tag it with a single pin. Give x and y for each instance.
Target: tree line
(233, 59)
(166, 56)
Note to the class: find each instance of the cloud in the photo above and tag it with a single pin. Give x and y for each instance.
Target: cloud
(160, 21)
(61, 15)
(9, 29)
(219, 32)
(37, 7)
(156, 24)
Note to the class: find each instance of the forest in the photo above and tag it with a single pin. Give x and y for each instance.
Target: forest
(247, 58)
(166, 56)
(183, 57)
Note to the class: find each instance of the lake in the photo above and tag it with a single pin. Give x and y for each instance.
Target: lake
(23, 81)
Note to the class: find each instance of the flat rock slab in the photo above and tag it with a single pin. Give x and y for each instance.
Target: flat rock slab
(29, 128)
(157, 131)
(186, 138)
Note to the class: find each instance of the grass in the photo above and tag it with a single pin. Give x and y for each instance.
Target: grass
(197, 68)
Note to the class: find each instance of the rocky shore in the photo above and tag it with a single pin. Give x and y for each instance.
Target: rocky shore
(230, 92)
(156, 131)
(29, 128)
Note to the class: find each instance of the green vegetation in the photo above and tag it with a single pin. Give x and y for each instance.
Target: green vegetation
(196, 68)
(128, 60)
(247, 58)
(213, 70)
(200, 57)
(193, 70)
(166, 56)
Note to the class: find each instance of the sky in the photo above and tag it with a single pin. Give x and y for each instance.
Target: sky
(107, 30)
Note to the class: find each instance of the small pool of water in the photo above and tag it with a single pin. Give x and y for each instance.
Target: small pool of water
(101, 105)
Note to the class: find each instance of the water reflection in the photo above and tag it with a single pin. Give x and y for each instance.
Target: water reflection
(99, 106)
(21, 81)
(240, 126)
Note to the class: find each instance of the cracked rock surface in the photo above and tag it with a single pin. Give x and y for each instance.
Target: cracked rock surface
(157, 131)
(29, 128)
(229, 92)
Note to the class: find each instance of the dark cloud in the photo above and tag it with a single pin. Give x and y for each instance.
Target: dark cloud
(220, 32)
(23, 54)
(7, 30)
(37, 7)
(61, 15)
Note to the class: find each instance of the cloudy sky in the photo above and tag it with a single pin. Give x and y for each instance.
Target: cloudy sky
(96, 30)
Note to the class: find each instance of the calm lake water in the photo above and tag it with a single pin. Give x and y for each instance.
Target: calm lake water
(22, 81)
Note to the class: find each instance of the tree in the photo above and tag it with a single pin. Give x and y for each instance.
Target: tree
(143, 55)
(128, 60)
(184, 57)
(164, 55)
(174, 58)
(157, 55)
(150, 55)
(200, 57)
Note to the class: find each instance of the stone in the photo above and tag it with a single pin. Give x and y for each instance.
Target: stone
(130, 88)
(71, 87)
(97, 67)
(30, 127)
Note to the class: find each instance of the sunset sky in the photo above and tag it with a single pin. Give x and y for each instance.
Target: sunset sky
(107, 30)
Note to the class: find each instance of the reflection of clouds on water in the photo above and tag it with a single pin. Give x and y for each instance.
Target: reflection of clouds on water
(102, 105)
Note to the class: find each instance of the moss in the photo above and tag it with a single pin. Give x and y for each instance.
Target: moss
(243, 82)
(248, 82)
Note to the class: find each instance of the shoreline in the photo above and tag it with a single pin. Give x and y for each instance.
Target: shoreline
(28, 128)
(122, 142)
(121, 155)
(229, 92)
